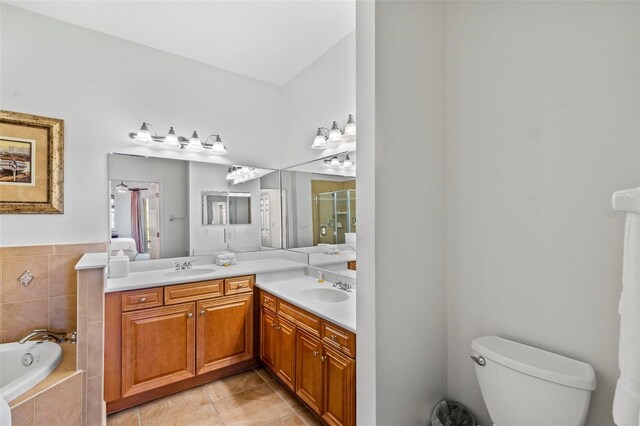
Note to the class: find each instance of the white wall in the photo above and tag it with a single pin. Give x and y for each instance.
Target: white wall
(543, 107)
(410, 292)
(366, 383)
(246, 237)
(323, 92)
(172, 178)
(205, 177)
(104, 87)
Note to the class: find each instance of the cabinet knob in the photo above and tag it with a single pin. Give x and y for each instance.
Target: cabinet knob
(143, 299)
(239, 285)
(323, 358)
(190, 314)
(201, 312)
(273, 324)
(315, 353)
(333, 337)
(279, 328)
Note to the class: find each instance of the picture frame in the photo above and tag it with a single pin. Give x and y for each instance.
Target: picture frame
(31, 164)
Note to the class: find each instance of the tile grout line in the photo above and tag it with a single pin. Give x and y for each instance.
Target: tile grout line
(211, 402)
(236, 393)
(304, 407)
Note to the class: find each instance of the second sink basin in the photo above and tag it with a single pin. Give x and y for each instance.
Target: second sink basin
(189, 272)
(327, 295)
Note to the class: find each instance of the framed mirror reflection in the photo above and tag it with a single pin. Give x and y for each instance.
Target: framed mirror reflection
(164, 208)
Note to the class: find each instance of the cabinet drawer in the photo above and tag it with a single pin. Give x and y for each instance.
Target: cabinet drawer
(194, 291)
(238, 285)
(267, 301)
(309, 322)
(339, 338)
(140, 299)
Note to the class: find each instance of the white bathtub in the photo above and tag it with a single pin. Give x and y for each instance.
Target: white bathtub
(15, 376)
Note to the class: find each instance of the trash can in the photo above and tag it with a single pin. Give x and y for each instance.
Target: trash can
(451, 413)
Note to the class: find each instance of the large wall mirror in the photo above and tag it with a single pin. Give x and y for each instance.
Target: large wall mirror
(162, 208)
(319, 200)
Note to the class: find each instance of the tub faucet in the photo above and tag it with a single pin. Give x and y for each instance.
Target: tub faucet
(45, 335)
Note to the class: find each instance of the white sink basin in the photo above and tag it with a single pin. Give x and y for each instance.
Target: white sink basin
(326, 295)
(188, 272)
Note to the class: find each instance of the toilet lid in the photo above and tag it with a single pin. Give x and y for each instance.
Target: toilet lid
(536, 362)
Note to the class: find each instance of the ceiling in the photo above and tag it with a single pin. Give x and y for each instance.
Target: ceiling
(268, 40)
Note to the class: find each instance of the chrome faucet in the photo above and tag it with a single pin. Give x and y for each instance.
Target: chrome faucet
(342, 286)
(46, 335)
(184, 265)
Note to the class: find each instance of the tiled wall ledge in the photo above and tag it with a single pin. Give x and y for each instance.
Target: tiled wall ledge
(90, 346)
(59, 404)
(50, 299)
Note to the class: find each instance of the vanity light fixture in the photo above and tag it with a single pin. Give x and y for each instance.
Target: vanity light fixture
(143, 136)
(324, 137)
(217, 147)
(195, 144)
(172, 141)
(350, 127)
(335, 135)
(239, 174)
(320, 141)
(335, 162)
(121, 188)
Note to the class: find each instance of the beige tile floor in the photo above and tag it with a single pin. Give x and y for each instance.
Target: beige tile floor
(253, 397)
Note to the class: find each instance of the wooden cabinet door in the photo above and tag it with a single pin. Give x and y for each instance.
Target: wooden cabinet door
(268, 334)
(225, 332)
(158, 347)
(309, 370)
(338, 402)
(286, 352)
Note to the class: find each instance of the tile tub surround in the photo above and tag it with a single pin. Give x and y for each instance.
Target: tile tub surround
(251, 397)
(66, 368)
(59, 404)
(50, 299)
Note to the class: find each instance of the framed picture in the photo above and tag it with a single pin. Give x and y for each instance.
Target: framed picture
(31, 164)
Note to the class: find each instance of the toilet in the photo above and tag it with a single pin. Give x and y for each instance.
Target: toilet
(526, 386)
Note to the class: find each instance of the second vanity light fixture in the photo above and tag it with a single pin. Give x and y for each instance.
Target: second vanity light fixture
(171, 141)
(240, 174)
(325, 137)
(335, 162)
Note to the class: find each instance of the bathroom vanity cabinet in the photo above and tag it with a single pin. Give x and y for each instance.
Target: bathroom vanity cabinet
(164, 339)
(313, 357)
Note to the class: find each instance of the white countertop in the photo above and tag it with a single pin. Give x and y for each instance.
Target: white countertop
(291, 290)
(92, 261)
(155, 278)
(319, 259)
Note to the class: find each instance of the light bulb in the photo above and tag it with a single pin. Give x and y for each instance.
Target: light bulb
(335, 135)
(319, 142)
(194, 143)
(350, 127)
(218, 148)
(121, 188)
(347, 162)
(335, 162)
(143, 136)
(171, 140)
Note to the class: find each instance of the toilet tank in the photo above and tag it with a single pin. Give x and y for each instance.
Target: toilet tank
(523, 386)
